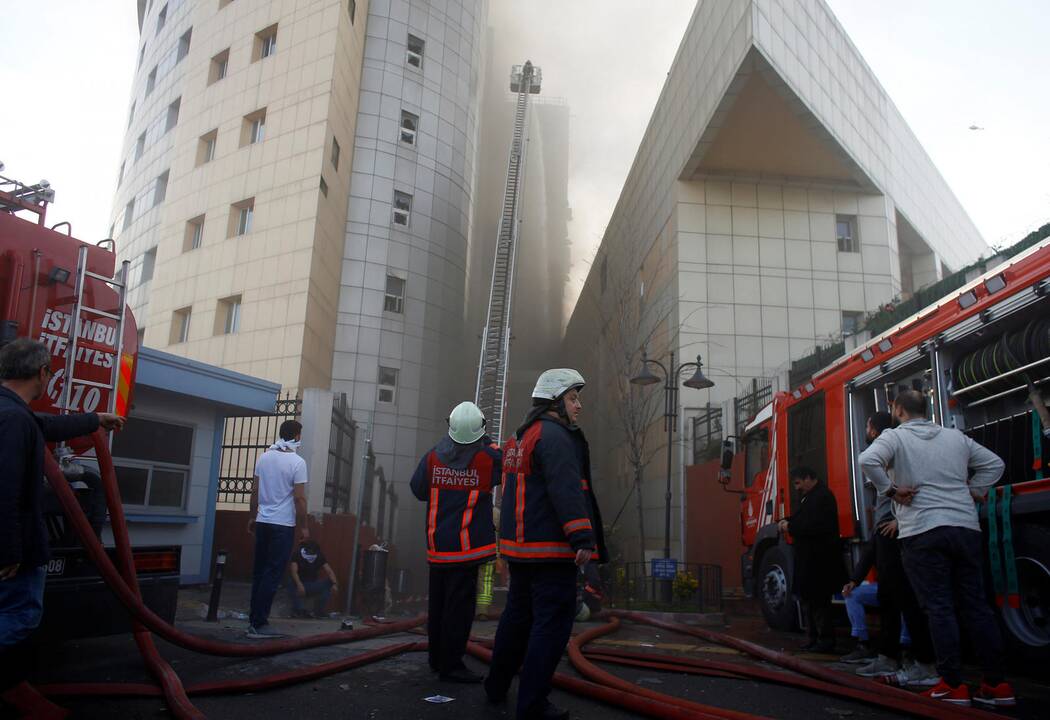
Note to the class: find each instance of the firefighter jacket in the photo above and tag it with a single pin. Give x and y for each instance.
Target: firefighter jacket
(456, 482)
(549, 510)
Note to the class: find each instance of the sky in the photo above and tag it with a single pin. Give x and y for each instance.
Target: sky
(67, 65)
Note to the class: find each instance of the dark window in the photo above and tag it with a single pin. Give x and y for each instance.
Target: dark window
(756, 459)
(806, 439)
(846, 233)
(132, 482)
(154, 441)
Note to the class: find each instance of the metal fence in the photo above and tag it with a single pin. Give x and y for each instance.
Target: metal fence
(695, 588)
(707, 434)
(746, 406)
(339, 475)
(244, 439)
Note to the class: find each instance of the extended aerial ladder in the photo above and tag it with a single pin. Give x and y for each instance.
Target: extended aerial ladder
(495, 340)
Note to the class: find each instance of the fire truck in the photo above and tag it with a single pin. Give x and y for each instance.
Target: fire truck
(70, 295)
(976, 354)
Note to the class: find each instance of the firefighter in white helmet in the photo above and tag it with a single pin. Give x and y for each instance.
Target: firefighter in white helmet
(550, 527)
(456, 479)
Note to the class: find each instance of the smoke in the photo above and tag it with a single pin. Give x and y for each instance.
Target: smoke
(608, 59)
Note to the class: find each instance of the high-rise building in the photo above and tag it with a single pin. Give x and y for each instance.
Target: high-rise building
(777, 197)
(296, 197)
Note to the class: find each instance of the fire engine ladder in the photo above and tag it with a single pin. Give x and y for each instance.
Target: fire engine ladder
(495, 340)
(74, 342)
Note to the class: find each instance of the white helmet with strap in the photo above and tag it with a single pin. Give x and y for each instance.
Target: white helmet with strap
(466, 423)
(552, 384)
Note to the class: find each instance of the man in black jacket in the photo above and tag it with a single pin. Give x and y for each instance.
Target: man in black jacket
(25, 369)
(819, 570)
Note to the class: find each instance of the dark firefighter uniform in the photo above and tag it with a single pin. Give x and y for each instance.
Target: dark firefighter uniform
(548, 512)
(456, 482)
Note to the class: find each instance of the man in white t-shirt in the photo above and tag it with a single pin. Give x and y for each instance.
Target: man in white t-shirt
(278, 507)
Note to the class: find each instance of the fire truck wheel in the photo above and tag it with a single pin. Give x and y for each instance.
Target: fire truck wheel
(774, 589)
(1028, 626)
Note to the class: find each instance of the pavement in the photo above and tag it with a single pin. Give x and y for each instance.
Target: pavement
(396, 688)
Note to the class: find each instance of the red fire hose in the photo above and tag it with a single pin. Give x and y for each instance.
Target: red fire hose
(885, 695)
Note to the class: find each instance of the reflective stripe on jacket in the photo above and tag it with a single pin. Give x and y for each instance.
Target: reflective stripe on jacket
(549, 510)
(459, 504)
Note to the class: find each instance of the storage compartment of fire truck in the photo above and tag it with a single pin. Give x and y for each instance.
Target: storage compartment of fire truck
(977, 377)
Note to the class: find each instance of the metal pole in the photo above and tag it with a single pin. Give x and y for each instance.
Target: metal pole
(669, 391)
(366, 477)
(216, 587)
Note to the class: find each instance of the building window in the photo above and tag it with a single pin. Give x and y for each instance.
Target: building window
(335, 153)
(224, 3)
(142, 56)
(395, 294)
(194, 234)
(160, 188)
(149, 262)
(173, 115)
(846, 233)
(409, 126)
(265, 43)
(414, 54)
(151, 81)
(351, 8)
(140, 145)
(253, 127)
(402, 208)
(387, 385)
(180, 326)
(162, 18)
(219, 66)
(206, 147)
(184, 45)
(851, 322)
(241, 217)
(120, 177)
(131, 115)
(129, 213)
(324, 187)
(228, 316)
(152, 464)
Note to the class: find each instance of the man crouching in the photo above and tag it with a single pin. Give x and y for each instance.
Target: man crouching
(456, 480)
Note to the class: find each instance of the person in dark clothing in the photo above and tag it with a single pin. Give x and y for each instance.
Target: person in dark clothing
(550, 528)
(819, 570)
(456, 479)
(305, 570)
(25, 370)
(895, 594)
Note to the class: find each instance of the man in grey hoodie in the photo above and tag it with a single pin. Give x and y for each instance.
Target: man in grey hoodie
(940, 533)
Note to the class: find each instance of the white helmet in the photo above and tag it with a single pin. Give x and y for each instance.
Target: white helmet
(552, 384)
(466, 423)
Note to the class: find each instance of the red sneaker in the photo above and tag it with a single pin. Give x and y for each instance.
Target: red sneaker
(1001, 695)
(958, 695)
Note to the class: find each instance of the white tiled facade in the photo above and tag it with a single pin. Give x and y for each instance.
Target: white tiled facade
(423, 340)
(770, 128)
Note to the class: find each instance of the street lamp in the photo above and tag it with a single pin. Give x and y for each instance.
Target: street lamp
(698, 381)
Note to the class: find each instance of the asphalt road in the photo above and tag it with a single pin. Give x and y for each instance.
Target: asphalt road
(395, 688)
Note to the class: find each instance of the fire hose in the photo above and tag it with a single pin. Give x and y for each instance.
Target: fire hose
(600, 685)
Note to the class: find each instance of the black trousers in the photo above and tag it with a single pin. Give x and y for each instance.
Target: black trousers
(533, 632)
(897, 598)
(819, 618)
(946, 568)
(453, 593)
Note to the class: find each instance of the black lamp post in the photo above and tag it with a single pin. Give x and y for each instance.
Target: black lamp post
(670, 378)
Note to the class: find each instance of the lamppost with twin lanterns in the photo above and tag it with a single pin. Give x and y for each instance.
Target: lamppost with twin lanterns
(671, 374)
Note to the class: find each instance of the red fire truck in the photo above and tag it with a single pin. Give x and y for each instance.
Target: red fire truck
(70, 295)
(975, 354)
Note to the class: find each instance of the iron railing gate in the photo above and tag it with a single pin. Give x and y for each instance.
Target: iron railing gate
(342, 441)
(244, 439)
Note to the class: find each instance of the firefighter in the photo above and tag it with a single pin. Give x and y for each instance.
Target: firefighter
(550, 529)
(456, 479)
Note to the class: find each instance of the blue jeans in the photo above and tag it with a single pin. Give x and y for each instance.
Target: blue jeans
(21, 605)
(273, 547)
(864, 596)
(317, 590)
